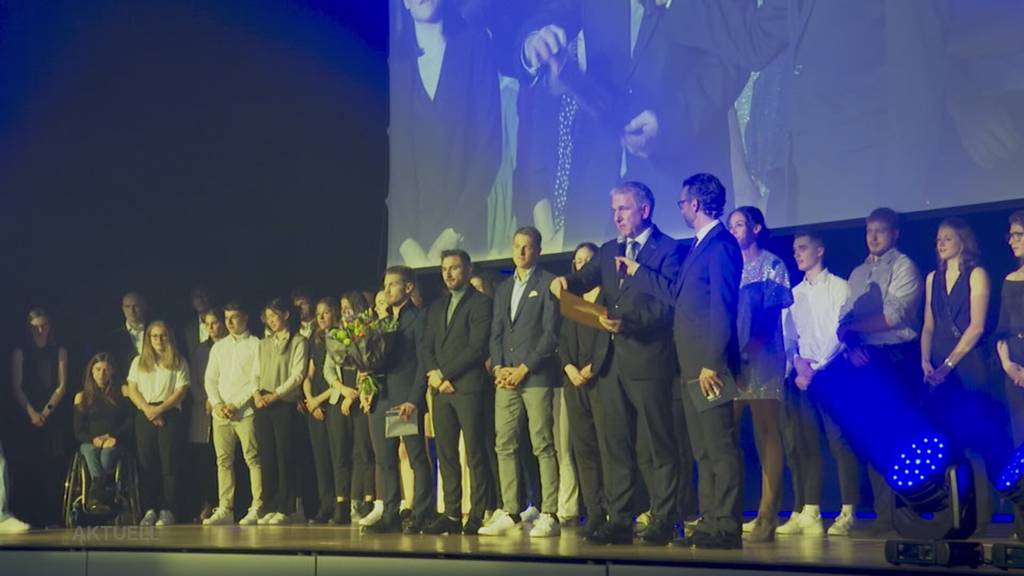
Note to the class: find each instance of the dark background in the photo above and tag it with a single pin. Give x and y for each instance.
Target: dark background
(160, 144)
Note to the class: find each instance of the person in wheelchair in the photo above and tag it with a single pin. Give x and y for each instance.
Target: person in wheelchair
(102, 424)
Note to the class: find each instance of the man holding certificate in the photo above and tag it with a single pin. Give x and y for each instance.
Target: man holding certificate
(633, 363)
(706, 295)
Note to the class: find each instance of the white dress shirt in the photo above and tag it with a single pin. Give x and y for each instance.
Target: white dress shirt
(158, 384)
(705, 230)
(810, 324)
(518, 288)
(137, 333)
(229, 373)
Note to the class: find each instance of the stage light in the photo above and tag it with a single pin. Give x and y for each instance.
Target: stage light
(1007, 556)
(935, 553)
(1009, 483)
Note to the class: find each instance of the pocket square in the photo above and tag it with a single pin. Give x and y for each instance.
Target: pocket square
(533, 294)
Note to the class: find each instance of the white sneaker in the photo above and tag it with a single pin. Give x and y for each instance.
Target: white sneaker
(374, 516)
(11, 525)
(791, 527)
(165, 518)
(501, 524)
(149, 519)
(842, 525)
(488, 514)
(266, 518)
(220, 517)
(279, 519)
(545, 526)
(749, 526)
(530, 514)
(810, 524)
(251, 517)
(643, 519)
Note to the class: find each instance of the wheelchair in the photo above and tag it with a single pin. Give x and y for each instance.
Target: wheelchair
(125, 507)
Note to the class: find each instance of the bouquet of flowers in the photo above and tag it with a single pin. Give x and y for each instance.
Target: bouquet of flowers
(363, 343)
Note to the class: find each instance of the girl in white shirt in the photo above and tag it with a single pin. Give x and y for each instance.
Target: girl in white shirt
(157, 383)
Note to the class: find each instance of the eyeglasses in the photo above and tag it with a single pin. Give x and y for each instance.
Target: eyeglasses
(681, 203)
(1015, 236)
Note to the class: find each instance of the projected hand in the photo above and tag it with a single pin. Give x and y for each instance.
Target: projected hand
(987, 130)
(545, 46)
(639, 135)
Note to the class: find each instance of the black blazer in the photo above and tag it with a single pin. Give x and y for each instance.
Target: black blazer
(706, 295)
(190, 336)
(458, 350)
(644, 345)
(403, 378)
(531, 337)
(121, 348)
(577, 343)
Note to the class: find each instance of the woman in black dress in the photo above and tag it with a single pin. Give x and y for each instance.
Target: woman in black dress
(962, 400)
(39, 375)
(1010, 332)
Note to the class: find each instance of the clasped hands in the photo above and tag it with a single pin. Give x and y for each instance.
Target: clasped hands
(579, 376)
(104, 441)
(510, 378)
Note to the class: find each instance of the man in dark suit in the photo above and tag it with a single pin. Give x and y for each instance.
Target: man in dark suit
(125, 343)
(653, 97)
(195, 332)
(454, 347)
(402, 388)
(633, 362)
(705, 293)
(524, 336)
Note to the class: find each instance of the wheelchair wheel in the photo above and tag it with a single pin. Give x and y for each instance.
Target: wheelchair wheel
(75, 487)
(127, 486)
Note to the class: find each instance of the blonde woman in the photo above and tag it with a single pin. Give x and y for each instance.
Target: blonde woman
(157, 382)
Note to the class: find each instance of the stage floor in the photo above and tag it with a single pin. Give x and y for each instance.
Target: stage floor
(787, 554)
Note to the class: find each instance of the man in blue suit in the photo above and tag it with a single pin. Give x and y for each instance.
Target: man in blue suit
(633, 363)
(524, 337)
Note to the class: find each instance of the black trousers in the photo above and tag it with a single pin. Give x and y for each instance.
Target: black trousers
(455, 413)
(494, 499)
(159, 451)
(274, 426)
(364, 485)
(331, 440)
(801, 440)
(627, 404)
(713, 440)
(389, 472)
(201, 484)
(586, 436)
(686, 499)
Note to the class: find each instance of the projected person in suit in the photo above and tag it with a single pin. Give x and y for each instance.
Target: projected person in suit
(705, 293)
(454, 347)
(524, 337)
(633, 364)
(653, 97)
(445, 134)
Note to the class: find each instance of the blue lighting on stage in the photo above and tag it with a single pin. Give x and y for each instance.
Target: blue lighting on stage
(1013, 472)
(924, 459)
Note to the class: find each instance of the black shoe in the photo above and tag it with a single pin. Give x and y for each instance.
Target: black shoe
(444, 525)
(364, 508)
(322, 517)
(415, 525)
(389, 524)
(594, 523)
(612, 533)
(405, 513)
(657, 533)
(473, 526)
(695, 539)
(722, 541)
(342, 514)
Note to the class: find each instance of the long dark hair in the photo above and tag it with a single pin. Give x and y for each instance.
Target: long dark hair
(403, 36)
(91, 390)
(357, 300)
(754, 217)
(970, 254)
(319, 334)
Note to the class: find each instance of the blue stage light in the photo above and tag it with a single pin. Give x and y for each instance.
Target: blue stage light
(1013, 472)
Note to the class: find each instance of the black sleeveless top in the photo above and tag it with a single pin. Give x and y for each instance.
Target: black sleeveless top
(1011, 319)
(318, 354)
(951, 312)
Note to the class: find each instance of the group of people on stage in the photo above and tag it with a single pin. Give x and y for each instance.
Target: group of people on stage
(620, 410)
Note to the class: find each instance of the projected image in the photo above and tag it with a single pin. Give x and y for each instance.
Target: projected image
(528, 112)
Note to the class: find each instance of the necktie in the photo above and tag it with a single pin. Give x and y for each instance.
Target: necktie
(631, 249)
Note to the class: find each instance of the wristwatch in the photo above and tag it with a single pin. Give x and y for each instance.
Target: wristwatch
(949, 364)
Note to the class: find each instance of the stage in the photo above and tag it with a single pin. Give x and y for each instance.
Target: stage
(254, 551)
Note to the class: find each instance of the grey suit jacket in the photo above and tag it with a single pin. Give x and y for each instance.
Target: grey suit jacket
(531, 337)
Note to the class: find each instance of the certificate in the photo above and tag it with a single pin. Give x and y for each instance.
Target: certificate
(579, 310)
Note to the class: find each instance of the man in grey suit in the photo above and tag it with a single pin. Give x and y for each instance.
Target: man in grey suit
(524, 336)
